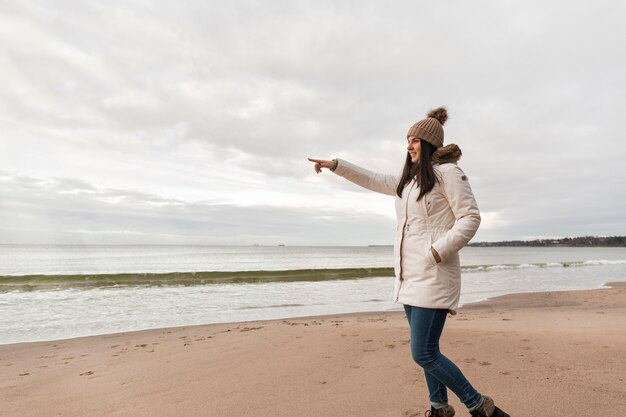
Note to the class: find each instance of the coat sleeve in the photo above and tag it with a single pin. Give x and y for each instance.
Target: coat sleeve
(463, 205)
(381, 183)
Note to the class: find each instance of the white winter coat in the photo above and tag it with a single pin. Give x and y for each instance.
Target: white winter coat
(446, 219)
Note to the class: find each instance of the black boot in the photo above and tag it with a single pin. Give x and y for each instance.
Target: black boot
(440, 412)
(488, 409)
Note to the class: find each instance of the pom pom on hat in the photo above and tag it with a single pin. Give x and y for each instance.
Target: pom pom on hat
(440, 113)
(430, 129)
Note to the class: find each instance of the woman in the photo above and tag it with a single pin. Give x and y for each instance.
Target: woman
(437, 215)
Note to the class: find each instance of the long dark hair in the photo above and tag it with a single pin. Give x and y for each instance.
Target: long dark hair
(422, 171)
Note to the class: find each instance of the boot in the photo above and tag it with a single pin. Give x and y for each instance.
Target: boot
(440, 412)
(488, 409)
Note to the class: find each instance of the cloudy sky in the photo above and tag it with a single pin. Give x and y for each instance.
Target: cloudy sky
(190, 121)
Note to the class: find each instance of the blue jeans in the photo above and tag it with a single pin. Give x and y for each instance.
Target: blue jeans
(426, 326)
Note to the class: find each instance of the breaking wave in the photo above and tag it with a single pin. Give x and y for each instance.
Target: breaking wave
(49, 282)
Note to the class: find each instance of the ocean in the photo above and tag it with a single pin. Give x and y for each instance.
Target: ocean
(65, 291)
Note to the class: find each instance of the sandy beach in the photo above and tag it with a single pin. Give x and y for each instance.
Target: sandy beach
(548, 354)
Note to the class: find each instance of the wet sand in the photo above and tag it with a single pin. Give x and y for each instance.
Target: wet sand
(549, 354)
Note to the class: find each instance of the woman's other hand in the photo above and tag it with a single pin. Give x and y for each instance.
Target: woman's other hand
(323, 163)
(435, 255)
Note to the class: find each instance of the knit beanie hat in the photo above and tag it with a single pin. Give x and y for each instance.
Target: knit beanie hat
(430, 129)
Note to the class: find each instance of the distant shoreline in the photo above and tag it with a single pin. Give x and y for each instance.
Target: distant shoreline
(570, 242)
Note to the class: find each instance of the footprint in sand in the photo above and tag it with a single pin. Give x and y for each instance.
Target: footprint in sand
(87, 373)
(469, 360)
(247, 329)
(411, 413)
(25, 373)
(375, 320)
(390, 346)
(141, 345)
(368, 340)
(483, 363)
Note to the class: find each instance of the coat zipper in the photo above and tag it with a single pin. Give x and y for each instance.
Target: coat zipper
(406, 208)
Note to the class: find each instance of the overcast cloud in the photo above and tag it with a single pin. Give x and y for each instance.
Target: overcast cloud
(190, 122)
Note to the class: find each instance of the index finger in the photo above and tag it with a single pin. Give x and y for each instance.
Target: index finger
(319, 161)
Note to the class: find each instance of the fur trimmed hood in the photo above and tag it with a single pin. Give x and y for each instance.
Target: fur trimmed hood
(447, 154)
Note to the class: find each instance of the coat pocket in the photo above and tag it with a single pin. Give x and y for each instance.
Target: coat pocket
(415, 259)
(429, 253)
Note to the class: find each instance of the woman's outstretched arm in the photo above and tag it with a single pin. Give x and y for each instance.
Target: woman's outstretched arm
(381, 183)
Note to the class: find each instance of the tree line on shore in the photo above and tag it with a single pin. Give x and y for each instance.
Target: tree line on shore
(583, 241)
